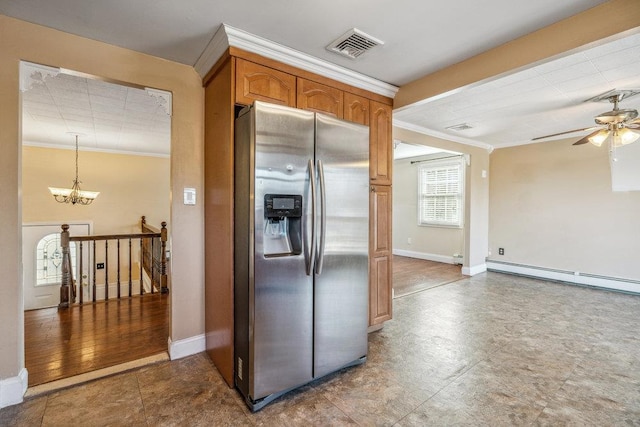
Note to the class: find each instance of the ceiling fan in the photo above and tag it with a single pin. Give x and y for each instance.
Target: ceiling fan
(619, 126)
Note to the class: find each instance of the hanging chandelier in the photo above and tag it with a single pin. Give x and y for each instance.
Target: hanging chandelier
(74, 195)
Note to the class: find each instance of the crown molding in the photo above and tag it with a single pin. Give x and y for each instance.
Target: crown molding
(215, 49)
(228, 36)
(442, 135)
(36, 144)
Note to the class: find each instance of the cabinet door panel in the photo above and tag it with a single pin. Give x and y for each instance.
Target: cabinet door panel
(380, 256)
(257, 82)
(356, 108)
(380, 152)
(313, 96)
(380, 297)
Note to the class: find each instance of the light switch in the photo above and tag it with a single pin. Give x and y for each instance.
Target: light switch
(189, 196)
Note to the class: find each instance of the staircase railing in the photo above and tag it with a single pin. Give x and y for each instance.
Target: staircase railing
(150, 245)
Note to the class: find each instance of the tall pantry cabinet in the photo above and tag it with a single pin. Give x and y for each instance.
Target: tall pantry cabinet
(236, 80)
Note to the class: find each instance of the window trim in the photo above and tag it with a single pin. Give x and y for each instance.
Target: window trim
(436, 164)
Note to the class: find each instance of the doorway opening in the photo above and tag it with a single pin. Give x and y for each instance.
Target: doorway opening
(124, 134)
(428, 217)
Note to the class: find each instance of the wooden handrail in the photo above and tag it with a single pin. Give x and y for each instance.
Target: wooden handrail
(114, 237)
(153, 260)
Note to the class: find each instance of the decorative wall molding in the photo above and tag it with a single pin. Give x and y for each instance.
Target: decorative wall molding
(31, 74)
(423, 255)
(186, 347)
(163, 98)
(227, 36)
(565, 276)
(12, 389)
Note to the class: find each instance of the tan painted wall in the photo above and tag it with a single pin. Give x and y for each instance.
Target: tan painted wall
(442, 241)
(552, 206)
(23, 41)
(476, 222)
(130, 186)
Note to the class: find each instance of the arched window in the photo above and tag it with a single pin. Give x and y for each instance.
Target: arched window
(49, 260)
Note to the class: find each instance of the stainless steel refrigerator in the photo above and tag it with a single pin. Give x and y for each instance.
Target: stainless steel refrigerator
(301, 248)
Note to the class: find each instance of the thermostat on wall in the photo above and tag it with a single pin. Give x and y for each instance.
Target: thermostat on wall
(189, 196)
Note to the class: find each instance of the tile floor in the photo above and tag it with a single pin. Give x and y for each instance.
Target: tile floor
(489, 350)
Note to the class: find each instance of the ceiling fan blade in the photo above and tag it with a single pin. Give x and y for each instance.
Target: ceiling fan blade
(564, 133)
(586, 138)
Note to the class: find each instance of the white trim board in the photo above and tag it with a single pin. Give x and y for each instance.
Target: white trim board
(582, 279)
(12, 389)
(186, 347)
(423, 255)
(476, 269)
(467, 271)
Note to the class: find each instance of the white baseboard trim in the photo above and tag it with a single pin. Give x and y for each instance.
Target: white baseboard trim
(12, 389)
(577, 278)
(186, 347)
(423, 255)
(476, 269)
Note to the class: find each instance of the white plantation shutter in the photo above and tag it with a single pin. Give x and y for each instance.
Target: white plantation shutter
(440, 188)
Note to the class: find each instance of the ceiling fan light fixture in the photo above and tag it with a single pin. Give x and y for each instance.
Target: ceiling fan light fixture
(624, 136)
(599, 137)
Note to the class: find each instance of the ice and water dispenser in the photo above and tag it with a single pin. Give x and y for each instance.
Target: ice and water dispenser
(283, 225)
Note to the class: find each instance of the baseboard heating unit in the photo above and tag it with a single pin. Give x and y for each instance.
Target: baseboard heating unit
(566, 276)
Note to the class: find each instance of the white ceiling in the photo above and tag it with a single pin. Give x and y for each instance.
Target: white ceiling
(420, 37)
(538, 101)
(107, 116)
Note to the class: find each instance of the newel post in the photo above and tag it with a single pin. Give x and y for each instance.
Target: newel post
(66, 284)
(163, 258)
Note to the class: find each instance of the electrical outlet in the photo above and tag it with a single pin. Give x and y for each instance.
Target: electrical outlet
(500, 251)
(409, 240)
(100, 266)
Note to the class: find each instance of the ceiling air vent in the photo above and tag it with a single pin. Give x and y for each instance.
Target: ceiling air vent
(353, 43)
(460, 127)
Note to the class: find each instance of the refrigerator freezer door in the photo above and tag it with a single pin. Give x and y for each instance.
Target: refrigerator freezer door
(282, 304)
(341, 288)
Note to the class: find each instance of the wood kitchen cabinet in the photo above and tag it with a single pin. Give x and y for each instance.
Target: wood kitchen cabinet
(257, 82)
(380, 144)
(317, 97)
(356, 109)
(380, 254)
(238, 79)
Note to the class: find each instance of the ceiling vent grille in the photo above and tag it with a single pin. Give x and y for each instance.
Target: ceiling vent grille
(353, 43)
(460, 127)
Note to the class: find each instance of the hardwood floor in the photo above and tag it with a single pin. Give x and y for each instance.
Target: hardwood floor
(412, 275)
(63, 343)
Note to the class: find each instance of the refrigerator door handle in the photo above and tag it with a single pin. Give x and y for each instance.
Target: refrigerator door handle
(323, 218)
(312, 247)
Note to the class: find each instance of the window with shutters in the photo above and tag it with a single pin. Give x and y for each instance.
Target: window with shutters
(441, 192)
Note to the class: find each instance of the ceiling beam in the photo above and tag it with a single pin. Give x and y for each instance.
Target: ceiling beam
(605, 21)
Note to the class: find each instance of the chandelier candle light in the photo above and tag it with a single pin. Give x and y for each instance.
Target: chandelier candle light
(74, 195)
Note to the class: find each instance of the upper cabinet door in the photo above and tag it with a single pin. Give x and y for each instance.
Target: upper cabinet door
(257, 82)
(380, 152)
(356, 109)
(313, 96)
